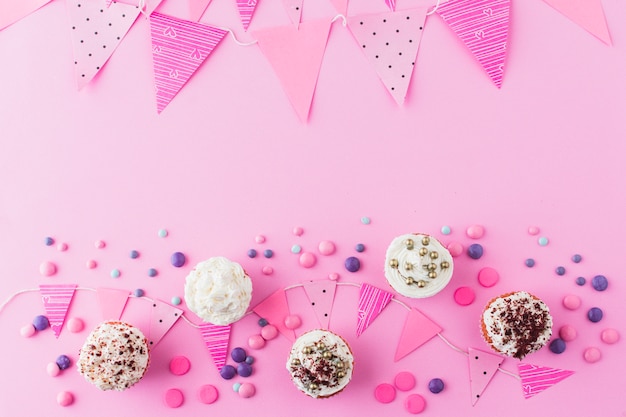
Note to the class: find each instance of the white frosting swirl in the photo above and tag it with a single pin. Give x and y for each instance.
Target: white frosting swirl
(218, 291)
(410, 264)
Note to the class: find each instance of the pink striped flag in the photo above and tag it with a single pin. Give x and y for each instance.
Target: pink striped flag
(536, 379)
(372, 301)
(162, 318)
(112, 302)
(56, 300)
(321, 295)
(246, 10)
(294, 10)
(179, 47)
(483, 26)
(482, 367)
(275, 309)
(418, 329)
(587, 14)
(391, 4)
(216, 339)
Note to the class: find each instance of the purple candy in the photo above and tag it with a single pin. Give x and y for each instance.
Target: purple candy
(580, 281)
(530, 262)
(251, 253)
(352, 264)
(557, 346)
(435, 385)
(599, 283)
(594, 314)
(49, 241)
(41, 323)
(263, 322)
(475, 251)
(238, 354)
(178, 259)
(244, 369)
(560, 270)
(249, 360)
(228, 372)
(577, 258)
(63, 362)
(268, 253)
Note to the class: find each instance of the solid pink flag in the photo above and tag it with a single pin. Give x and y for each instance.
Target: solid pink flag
(96, 31)
(275, 309)
(482, 367)
(372, 301)
(536, 379)
(162, 318)
(390, 41)
(56, 301)
(197, 8)
(294, 10)
(341, 6)
(13, 10)
(296, 57)
(418, 329)
(321, 295)
(112, 302)
(587, 14)
(246, 10)
(216, 339)
(179, 47)
(483, 26)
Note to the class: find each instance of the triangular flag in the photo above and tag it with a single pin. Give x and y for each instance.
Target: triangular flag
(246, 10)
(274, 309)
(296, 56)
(587, 14)
(294, 10)
(418, 329)
(321, 295)
(216, 340)
(197, 8)
(390, 42)
(11, 11)
(56, 300)
(96, 31)
(179, 47)
(536, 379)
(341, 6)
(372, 301)
(483, 26)
(482, 367)
(391, 4)
(112, 302)
(162, 318)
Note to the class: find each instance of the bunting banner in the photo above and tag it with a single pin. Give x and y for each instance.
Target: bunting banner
(418, 329)
(372, 301)
(296, 57)
(112, 302)
(246, 10)
(96, 32)
(216, 339)
(11, 11)
(587, 14)
(391, 4)
(390, 41)
(179, 47)
(275, 309)
(483, 26)
(482, 367)
(322, 296)
(294, 10)
(536, 379)
(197, 8)
(56, 301)
(341, 6)
(162, 318)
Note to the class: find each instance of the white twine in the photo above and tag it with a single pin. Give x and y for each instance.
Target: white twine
(435, 9)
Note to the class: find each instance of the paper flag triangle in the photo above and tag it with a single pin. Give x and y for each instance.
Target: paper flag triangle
(246, 10)
(197, 8)
(587, 14)
(112, 302)
(341, 6)
(96, 31)
(179, 47)
(216, 339)
(321, 295)
(391, 4)
(536, 379)
(482, 367)
(418, 329)
(11, 11)
(296, 57)
(372, 301)
(56, 301)
(294, 10)
(390, 42)
(162, 318)
(274, 309)
(483, 26)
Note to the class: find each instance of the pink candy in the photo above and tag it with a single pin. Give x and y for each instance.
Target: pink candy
(256, 341)
(99, 244)
(475, 231)
(174, 398)
(179, 365)
(609, 336)
(385, 393)
(65, 398)
(246, 390)
(53, 369)
(267, 270)
(488, 277)
(47, 269)
(571, 302)
(307, 259)
(292, 322)
(533, 230)
(592, 354)
(326, 247)
(298, 231)
(568, 333)
(75, 325)
(91, 264)
(404, 381)
(455, 249)
(414, 404)
(259, 239)
(464, 296)
(269, 332)
(28, 330)
(208, 394)
(333, 276)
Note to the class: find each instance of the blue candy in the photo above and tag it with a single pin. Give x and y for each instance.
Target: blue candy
(152, 272)
(436, 385)
(251, 253)
(41, 323)
(134, 254)
(49, 241)
(228, 372)
(352, 264)
(238, 354)
(475, 251)
(138, 292)
(63, 362)
(557, 346)
(249, 360)
(244, 369)
(530, 262)
(599, 283)
(594, 314)
(577, 258)
(268, 253)
(581, 281)
(560, 270)
(359, 247)
(263, 322)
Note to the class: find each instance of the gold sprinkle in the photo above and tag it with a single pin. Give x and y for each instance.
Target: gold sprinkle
(295, 362)
(423, 251)
(339, 365)
(312, 386)
(409, 281)
(445, 265)
(434, 255)
(421, 283)
(321, 346)
(393, 263)
(409, 243)
(341, 374)
(307, 350)
(425, 240)
(327, 355)
(432, 266)
(432, 275)
(408, 266)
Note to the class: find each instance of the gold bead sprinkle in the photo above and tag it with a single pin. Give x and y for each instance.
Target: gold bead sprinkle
(408, 266)
(341, 374)
(339, 365)
(425, 240)
(432, 275)
(434, 255)
(321, 346)
(423, 251)
(327, 355)
(409, 281)
(445, 265)
(421, 283)
(409, 243)
(312, 386)
(307, 350)
(295, 362)
(432, 266)
(393, 263)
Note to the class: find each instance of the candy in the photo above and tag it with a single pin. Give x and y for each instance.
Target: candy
(268, 253)
(176, 300)
(246, 390)
(414, 404)
(385, 393)
(244, 369)
(609, 336)
(263, 322)
(475, 251)
(560, 270)
(207, 394)
(63, 362)
(228, 372)
(436, 385)
(75, 325)
(445, 230)
(28, 330)
(464, 296)
(366, 220)
(581, 281)
(307, 259)
(296, 249)
(599, 283)
(352, 264)
(100, 244)
(41, 323)
(238, 354)
(557, 346)
(259, 239)
(595, 314)
(533, 230)
(48, 241)
(174, 398)
(592, 354)
(571, 302)
(333, 276)
(404, 381)
(455, 249)
(115, 273)
(252, 253)
(568, 333)
(576, 258)
(53, 369)
(267, 270)
(475, 231)
(47, 269)
(543, 241)
(488, 277)
(178, 259)
(91, 264)
(138, 292)
(530, 262)
(236, 386)
(326, 247)
(293, 321)
(65, 398)
(256, 341)
(297, 231)
(134, 254)
(152, 272)
(249, 360)
(269, 332)
(62, 247)
(162, 233)
(179, 365)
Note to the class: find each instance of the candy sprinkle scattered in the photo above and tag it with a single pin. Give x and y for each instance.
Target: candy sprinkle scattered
(576, 258)
(445, 230)
(366, 220)
(115, 273)
(162, 233)
(543, 241)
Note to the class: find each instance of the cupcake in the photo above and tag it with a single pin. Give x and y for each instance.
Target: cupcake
(417, 265)
(320, 363)
(218, 291)
(114, 357)
(516, 324)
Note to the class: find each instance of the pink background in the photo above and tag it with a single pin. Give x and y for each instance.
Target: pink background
(229, 159)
